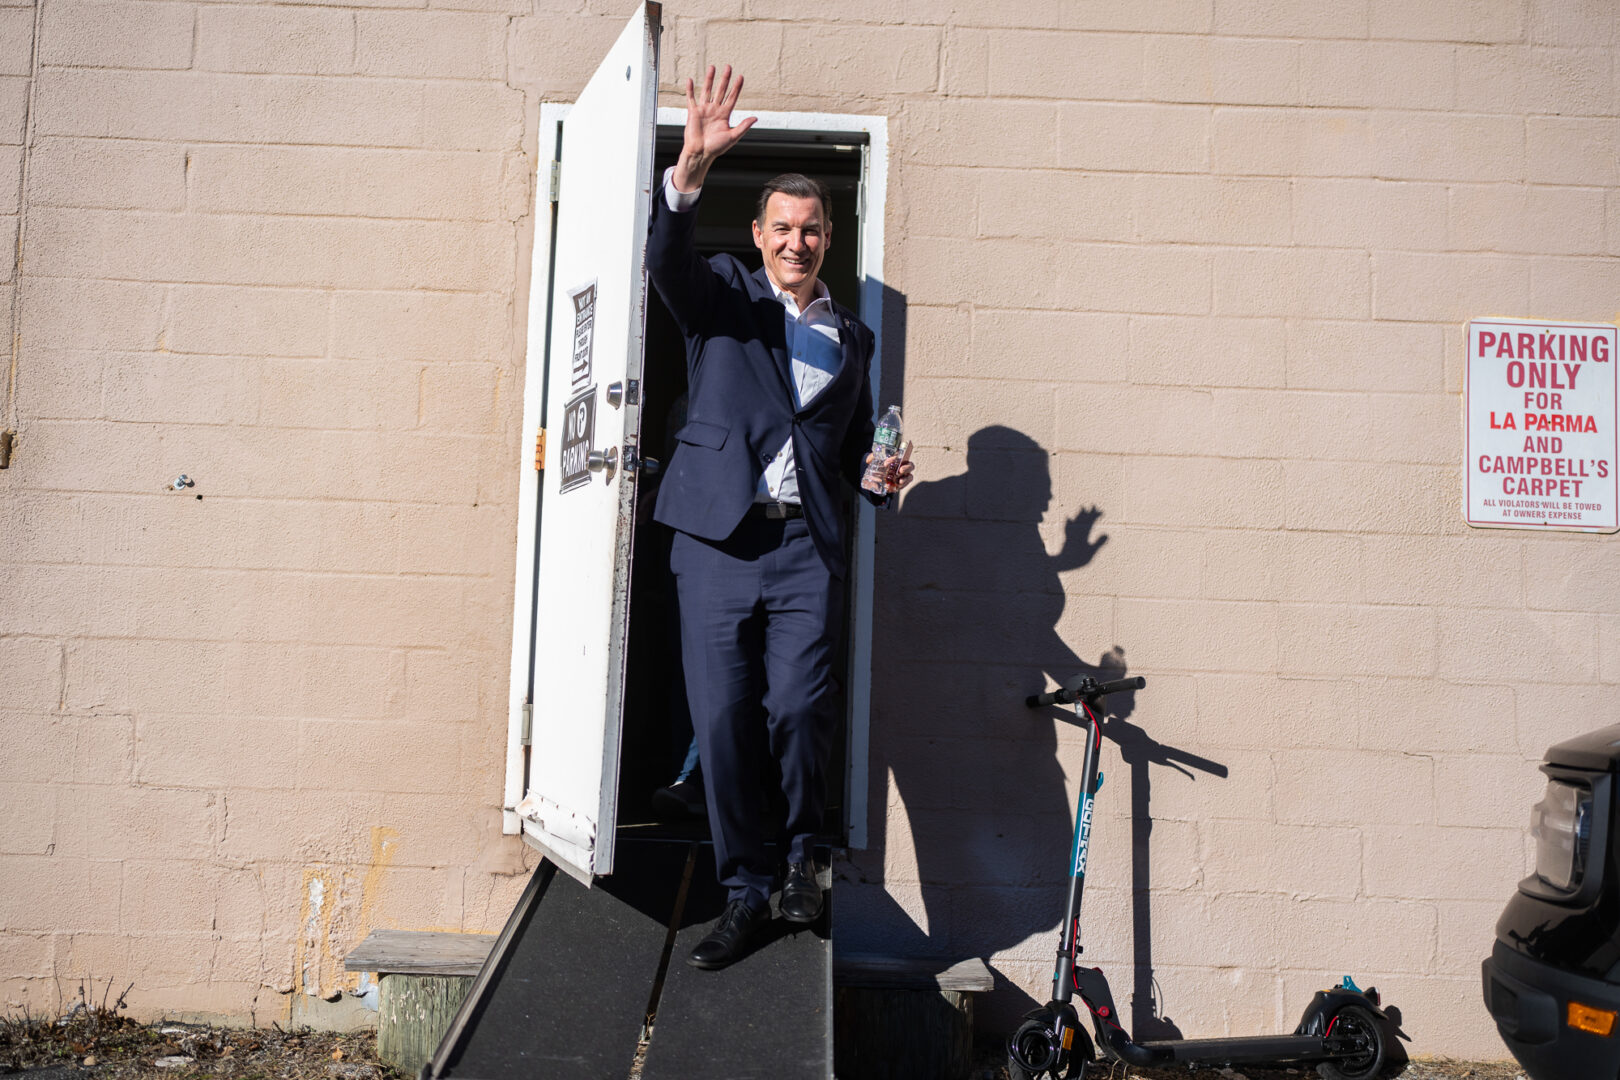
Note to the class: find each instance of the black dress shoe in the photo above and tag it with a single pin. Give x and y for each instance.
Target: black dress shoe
(727, 942)
(682, 799)
(801, 894)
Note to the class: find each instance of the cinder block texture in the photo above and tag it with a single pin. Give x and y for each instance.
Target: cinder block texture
(1287, 198)
(1175, 289)
(204, 774)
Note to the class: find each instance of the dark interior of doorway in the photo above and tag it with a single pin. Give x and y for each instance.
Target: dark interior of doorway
(652, 748)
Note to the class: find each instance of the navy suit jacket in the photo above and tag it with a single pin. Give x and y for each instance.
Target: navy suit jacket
(740, 400)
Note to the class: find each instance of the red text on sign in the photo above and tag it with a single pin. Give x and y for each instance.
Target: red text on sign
(1542, 375)
(1545, 346)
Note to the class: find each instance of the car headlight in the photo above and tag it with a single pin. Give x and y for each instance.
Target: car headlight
(1562, 825)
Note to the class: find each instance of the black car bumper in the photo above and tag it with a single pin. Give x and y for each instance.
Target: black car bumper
(1529, 1000)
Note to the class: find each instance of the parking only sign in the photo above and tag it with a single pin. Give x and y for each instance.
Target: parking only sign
(1541, 445)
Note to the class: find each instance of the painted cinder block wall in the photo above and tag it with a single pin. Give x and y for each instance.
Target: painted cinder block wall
(1192, 272)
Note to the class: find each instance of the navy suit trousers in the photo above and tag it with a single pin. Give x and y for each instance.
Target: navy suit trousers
(758, 627)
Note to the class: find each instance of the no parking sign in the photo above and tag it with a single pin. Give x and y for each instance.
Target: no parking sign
(1541, 446)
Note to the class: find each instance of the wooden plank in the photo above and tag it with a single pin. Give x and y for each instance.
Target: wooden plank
(887, 1034)
(911, 973)
(420, 952)
(413, 1013)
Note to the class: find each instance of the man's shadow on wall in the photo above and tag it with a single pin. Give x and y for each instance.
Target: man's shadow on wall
(974, 618)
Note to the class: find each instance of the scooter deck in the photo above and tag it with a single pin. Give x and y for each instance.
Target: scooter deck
(1251, 1049)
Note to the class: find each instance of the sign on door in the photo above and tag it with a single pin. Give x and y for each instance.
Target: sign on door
(1541, 446)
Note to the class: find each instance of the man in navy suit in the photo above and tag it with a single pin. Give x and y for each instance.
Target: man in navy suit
(779, 416)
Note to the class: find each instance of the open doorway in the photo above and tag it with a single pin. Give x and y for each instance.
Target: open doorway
(656, 729)
(589, 713)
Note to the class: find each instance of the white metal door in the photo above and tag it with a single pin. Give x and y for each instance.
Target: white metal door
(570, 629)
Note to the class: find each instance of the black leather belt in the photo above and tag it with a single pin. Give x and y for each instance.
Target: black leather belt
(776, 511)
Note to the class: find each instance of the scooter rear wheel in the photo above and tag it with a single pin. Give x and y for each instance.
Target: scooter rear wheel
(1356, 1025)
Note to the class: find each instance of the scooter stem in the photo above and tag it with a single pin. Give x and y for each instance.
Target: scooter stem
(1068, 940)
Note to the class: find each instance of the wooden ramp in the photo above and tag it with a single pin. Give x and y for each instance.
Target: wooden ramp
(567, 990)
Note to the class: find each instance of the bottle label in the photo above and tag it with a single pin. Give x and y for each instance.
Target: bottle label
(886, 437)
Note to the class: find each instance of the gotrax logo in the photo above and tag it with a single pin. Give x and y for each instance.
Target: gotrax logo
(1085, 837)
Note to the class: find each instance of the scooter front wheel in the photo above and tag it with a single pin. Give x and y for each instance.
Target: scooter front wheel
(1081, 1054)
(1033, 1052)
(1361, 1035)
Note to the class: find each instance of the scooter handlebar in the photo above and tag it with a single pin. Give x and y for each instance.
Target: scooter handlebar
(1088, 688)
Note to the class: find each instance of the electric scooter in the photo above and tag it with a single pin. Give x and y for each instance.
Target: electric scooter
(1342, 1031)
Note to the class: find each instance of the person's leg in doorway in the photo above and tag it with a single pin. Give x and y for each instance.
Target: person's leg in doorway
(799, 597)
(722, 642)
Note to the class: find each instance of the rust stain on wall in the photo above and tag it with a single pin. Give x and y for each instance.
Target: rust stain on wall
(384, 845)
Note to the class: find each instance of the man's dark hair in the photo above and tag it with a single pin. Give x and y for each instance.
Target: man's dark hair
(799, 186)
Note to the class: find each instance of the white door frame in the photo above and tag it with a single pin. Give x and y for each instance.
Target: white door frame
(869, 268)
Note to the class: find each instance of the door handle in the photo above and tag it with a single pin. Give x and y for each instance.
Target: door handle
(603, 461)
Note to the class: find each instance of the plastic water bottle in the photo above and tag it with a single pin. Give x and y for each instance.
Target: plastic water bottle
(882, 470)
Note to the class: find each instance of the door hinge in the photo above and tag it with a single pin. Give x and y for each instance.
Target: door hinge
(540, 451)
(527, 737)
(556, 179)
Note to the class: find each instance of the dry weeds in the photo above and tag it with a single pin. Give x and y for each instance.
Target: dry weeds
(94, 1039)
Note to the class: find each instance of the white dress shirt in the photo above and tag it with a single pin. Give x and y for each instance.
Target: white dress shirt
(815, 352)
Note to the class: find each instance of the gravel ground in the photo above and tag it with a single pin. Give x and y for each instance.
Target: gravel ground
(99, 1044)
(1417, 1070)
(990, 1056)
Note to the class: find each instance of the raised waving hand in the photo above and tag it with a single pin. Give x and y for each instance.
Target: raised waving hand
(709, 131)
